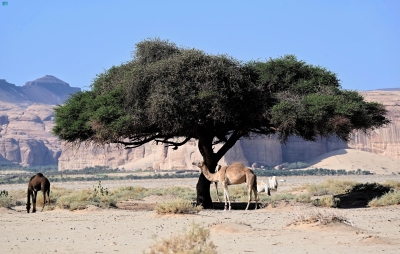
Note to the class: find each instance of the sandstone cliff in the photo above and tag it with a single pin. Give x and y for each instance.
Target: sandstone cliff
(384, 141)
(25, 135)
(261, 151)
(26, 139)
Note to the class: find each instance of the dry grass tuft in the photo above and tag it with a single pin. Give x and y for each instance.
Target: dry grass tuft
(177, 206)
(329, 187)
(327, 201)
(320, 219)
(390, 198)
(193, 241)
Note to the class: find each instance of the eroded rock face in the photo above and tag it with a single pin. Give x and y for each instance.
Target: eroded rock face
(25, 135)
(384, 141)
(262, 151)
(26, 139)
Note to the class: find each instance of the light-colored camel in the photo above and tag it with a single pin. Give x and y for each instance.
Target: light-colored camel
(230, 175)
(37, 183)
(273, 183)
(216, 183)
(263, 187)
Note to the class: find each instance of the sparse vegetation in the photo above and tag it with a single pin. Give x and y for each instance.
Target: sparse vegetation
(390, 198)
(329, 187)
(177, 206)
(193, 241)
(320, 218)
(5, 199)
(327, 201)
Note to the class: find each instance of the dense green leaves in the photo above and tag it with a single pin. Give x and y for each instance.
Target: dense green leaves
(166, 92)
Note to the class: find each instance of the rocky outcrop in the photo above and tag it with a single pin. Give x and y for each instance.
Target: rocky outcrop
(26, 139)
(261, 151)
(25, 135)
(258, 151)
(384, 141)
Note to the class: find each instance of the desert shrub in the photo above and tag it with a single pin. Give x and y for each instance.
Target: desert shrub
(130, 192)
(330, 187)
(368, 186)
(321, 218)
(175, 191)
(193, 241)
(177, 206)
(82, 198)
(390, 198)
(392, 184)
(327, 201)
(5, 199)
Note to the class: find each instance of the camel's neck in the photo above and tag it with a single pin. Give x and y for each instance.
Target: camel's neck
(210, 176)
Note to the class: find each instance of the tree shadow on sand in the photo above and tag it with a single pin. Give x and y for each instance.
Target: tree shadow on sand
(360, 195)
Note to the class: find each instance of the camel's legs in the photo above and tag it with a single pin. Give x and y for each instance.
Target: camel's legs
(28, 201)
(255, 195)
(226, 196)
(249, 195)
(44, 199)
(34, 194)
(216, 188)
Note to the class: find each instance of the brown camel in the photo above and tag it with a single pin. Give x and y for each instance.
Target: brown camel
(230, 175)
(37, 183)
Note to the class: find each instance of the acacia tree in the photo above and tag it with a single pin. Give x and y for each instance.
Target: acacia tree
(170, 95)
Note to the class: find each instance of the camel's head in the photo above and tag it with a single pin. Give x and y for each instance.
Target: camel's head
(199, 164)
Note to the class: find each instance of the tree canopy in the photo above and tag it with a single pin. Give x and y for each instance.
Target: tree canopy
(168, 92)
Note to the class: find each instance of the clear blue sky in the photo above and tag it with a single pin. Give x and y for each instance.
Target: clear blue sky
(75, 40)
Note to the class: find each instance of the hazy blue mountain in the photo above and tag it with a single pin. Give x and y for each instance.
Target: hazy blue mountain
(47, 90)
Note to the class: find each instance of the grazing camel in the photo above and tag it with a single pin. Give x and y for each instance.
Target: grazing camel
(230, 175)
(36, 183)
(273, 183)
(263, 187)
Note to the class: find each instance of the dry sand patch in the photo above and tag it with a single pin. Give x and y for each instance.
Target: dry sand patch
(131, 228)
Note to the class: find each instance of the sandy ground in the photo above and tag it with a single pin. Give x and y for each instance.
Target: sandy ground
(267, 230)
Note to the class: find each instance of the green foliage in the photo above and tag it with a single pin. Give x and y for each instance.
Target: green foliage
(166, 92)
(192, 241)
(99, 190)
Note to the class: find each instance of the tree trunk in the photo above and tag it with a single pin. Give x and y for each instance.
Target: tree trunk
(203, 192)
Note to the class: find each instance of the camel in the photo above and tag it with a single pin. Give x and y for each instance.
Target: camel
(273, 183)
(263, 187)
(230, 175)
(216, 183)
(37, 183)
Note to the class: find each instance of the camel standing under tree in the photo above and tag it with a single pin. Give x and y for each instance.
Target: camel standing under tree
(230, 175)
(37, 183)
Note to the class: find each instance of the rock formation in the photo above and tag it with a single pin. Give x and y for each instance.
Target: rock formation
(26, 139)
(25, 135)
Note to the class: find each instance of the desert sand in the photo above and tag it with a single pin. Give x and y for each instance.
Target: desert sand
(131, 228)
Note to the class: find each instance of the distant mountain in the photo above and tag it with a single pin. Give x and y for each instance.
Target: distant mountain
(46, 90)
